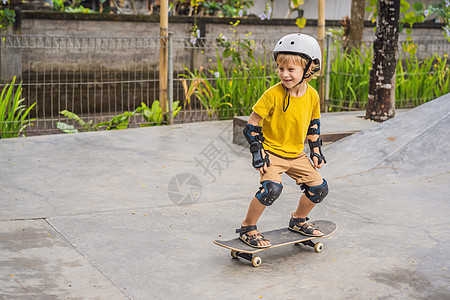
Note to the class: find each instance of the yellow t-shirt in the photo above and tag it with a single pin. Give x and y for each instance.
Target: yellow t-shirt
(285, 132)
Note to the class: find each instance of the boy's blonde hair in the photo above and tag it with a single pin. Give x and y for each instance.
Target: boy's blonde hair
(299, 61)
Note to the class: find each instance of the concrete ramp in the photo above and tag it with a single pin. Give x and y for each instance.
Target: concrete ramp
(118, 215)
(415, 144)
(389, 191)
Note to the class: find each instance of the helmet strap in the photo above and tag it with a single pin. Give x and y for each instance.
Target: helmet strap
(284, 100)
(301, 81)
(305, 75)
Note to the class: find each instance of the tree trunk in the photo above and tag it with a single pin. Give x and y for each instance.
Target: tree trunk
(356, 30)
(381, 100)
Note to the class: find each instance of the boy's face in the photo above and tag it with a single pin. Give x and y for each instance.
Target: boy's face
(290, 73)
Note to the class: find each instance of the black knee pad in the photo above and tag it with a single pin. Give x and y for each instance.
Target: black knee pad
(316, 193)
(272, 190)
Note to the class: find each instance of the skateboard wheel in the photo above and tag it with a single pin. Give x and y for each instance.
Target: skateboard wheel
(256, 261)
(318, 247)
(234, 254)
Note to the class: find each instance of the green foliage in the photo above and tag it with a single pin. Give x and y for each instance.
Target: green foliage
(417, 14)
(234, 83)
(79, 9)
(7, 15)
(58, 5)
(410, 17)
(153, 116)
(118, 122)
(209, 96)
(442, 9)
(66, 127)
(416, 81)
(228, 8)
(421, 81)
(13, 114)
(349, 78)
(240, 50)
(86, 126)
(74, 7)
(212, 8)
(235, 8)
(297, 3)
(300, 22)
(245, 85)
(238, 79)
(7, 18)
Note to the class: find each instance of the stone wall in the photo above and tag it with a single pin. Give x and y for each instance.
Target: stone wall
(62, 24)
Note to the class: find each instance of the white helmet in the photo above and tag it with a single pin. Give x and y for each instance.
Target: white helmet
(302, 44)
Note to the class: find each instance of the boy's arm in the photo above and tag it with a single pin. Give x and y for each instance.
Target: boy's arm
(315, 144)
(253, 134)
(254, 119)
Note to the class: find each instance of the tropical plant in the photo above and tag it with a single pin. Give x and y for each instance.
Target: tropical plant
(71, 6)
(212, 8)
(118, 122)
(204, 91)
(67, 128)
(235, 8)
(417, 81)
(349, 78)
(421, 81)
(14, 115)
(7, 18)
(154, 115)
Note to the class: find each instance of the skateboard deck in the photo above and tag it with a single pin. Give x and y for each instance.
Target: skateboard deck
(278, 238)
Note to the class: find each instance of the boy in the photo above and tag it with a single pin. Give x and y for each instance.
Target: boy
(287, 113)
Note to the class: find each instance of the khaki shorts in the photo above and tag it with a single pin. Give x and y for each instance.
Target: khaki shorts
(298, 168)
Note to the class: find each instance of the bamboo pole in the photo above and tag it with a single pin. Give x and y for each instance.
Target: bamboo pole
(321, 38)
(328, 71)
(163, 56)
(170, 76)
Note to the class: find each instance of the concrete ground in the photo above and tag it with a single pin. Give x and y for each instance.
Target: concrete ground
(132, 214)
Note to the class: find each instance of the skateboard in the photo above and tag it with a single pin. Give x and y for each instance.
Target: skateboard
(278, 238)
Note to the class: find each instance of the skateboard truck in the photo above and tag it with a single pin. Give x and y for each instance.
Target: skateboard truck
(257, 261)
(317, 246)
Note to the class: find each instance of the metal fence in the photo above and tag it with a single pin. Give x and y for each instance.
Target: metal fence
(100, 78)
(422, 73)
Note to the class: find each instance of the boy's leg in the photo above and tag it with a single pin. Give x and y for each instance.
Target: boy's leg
(305, 206)
(256, 208)
(255, 211)
(304, 173)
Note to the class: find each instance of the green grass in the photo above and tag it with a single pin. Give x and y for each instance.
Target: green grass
(349, 79)
(417, 82)
(14, 115)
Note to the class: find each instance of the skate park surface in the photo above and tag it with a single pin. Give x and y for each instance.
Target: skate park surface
(132, 214)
